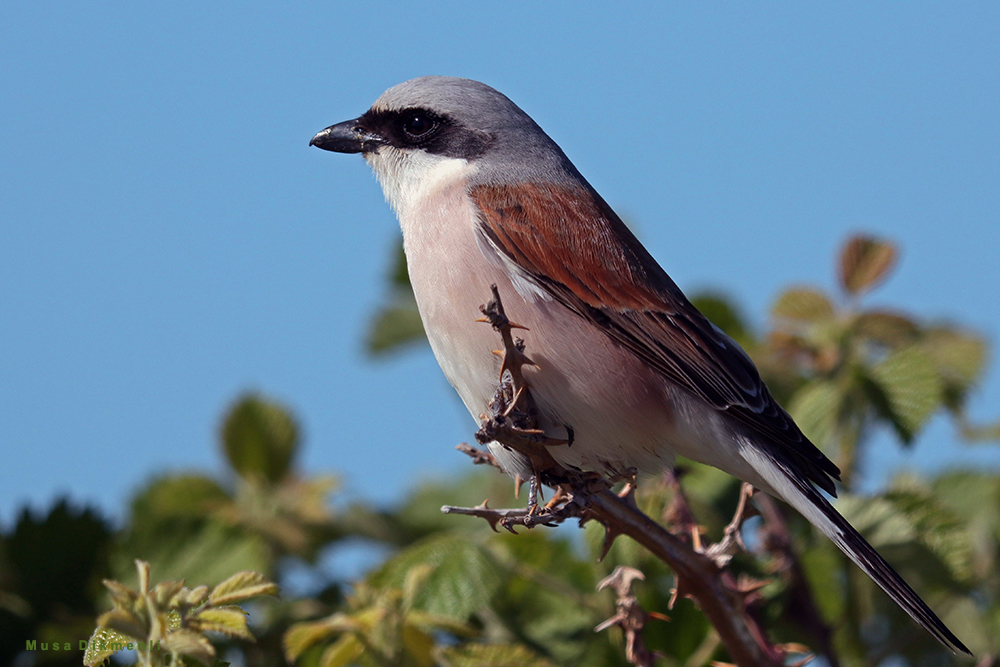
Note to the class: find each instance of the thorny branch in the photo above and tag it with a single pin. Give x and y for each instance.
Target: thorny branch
(630, 617)
(699, 571)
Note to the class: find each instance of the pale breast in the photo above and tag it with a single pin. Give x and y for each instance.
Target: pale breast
(621, 412)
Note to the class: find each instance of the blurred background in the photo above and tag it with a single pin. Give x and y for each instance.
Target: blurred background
(168, 241)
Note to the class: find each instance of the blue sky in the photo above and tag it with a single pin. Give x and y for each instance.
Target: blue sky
(168, 239)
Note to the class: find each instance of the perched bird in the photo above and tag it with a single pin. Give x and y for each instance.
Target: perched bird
(625, 363)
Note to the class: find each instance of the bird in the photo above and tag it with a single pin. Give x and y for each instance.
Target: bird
(627, 372)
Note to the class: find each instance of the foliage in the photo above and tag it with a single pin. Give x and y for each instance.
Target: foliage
(167, 622)
(449, 592)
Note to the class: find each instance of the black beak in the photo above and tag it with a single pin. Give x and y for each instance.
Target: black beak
(346, 137)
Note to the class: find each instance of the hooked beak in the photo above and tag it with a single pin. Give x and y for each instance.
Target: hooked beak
(347, 137)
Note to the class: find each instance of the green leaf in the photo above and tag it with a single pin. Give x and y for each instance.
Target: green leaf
(59, 557)
(723, 313)
(231, 621)
(419, 646)
(865, 261)
(912, 388)
(822, 564)
(493, 655)
(979, 433)
(803, 304)
(400, 275)
(260, 438)
(123, 622)
(165, 591)
(342, 652)
(429, 622)
(104, 643)
(210, 553)
(395, 327)
(896, 522)
(175, 496)
(887, 328)
(463, 579)
(815, 408)
(960, 358)
(241, 586)
(122, 596)
(190, 644)
(396, 324)
(302, 636)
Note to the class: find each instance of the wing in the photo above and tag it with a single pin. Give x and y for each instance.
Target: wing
(617, 285)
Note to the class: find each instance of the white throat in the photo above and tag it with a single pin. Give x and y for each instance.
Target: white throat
(411, 177)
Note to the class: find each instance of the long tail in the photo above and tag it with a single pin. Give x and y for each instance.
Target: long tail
(800, 494)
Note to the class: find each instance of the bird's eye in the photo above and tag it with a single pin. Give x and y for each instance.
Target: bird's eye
(417, 125)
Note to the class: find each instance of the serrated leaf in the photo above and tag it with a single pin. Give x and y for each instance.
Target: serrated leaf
(887, 328)
(165, 591)
(193, 597)
(301, 636)
(260, 438)
(493, 655)
(463, 579)
(241, 586)
(912, 387)
(937, 528)
(415, 579)
(123, 622)
(231, 621)
(865, 261)
(893, 521)
(102, 645)
(190, 644)
(960, 356)
(122, 596)
(803, 304)
(815, 408)
(429, 622)
(342, 652)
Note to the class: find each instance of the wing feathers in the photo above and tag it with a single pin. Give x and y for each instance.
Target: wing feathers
(614, 283)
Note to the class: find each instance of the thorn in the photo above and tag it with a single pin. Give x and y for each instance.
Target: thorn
(747, 585)
(515, 325)
(514, 402)
(614, 620)
(518, 481)
(610, 535)
(499, 353)
(696, 538)
(621, 579)
(680, 590)
(657, 615)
